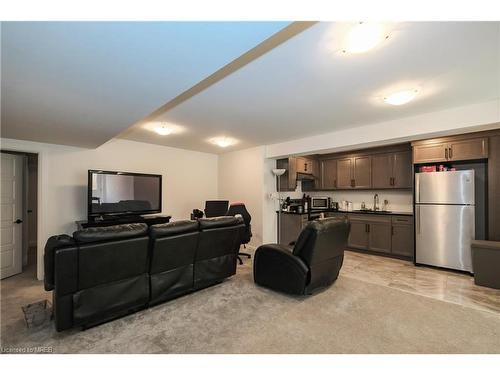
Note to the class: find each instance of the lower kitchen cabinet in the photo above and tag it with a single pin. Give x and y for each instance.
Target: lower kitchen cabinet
(290, 227)
(402, 236)
(382, 234)
(379, 235)
(358, 237)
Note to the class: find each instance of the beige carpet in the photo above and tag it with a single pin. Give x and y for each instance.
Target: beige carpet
(352, 316)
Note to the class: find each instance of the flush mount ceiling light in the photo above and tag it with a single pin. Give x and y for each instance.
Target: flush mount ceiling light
(364, 36)
(163, 129)
(223, 141)
(401, 97)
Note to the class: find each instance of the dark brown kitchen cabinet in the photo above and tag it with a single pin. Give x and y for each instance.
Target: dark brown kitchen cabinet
(358, 236)
(382, 171)
(344, 173)
(401, 170)
(306, 165)
(328, 174)
(391, 170)
(362, 172)
(402, 236)
(450, 150)
(379, 235)
(385, 234)
(430, 153)
(354, 173)
(468, 149)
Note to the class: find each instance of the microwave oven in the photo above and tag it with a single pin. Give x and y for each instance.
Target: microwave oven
(320, 203)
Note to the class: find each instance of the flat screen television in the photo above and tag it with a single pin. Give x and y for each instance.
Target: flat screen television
(123, 193)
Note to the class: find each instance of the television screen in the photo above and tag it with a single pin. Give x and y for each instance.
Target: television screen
(123, 193)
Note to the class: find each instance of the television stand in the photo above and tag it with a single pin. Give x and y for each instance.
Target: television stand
(116, 220)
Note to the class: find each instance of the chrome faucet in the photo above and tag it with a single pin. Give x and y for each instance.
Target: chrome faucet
(375, 202)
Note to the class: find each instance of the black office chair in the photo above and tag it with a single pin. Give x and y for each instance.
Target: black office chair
(216, 208)
(246, 234)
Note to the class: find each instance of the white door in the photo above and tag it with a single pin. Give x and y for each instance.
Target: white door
(11, 248)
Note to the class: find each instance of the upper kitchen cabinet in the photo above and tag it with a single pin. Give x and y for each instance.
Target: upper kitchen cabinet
(450, 149)
(401, 170)
(391, 170)
(362, 172)
(378, 168)
(354, 173)
(344, 173)
(297, 168)
(468, 149)
(328, 174)
(306, 165)
(430, 153)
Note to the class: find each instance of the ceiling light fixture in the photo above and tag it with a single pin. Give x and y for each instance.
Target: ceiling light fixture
(363, 37)
(401, 97)
(223, 141)
(163, 129)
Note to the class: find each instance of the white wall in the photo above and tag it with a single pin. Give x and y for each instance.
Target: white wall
(241, 179)
(189, 178)
(470, 118)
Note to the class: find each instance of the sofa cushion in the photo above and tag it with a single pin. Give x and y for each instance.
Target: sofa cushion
(113, 232)
(219, 222)
(173, 228)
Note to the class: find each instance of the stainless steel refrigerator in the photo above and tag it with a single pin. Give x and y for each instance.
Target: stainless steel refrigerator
(444, 219)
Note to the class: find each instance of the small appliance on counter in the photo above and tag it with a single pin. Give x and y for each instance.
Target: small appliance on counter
(318, 203)
(293, 205)
(334, 206)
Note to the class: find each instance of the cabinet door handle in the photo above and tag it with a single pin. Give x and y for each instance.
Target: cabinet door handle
(446, 153)
(335, 183)
(305, 167)
(450, 153)
(392, 230)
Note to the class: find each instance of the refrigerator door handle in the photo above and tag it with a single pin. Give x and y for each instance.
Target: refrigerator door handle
(417, 209)
(417, 189)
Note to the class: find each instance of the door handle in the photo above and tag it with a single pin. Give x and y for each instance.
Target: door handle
(417, 209)
(446, 153)
(392, 230)
(18, 221)
(450, 153)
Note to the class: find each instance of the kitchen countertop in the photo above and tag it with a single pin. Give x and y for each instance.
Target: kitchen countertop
(394, 213)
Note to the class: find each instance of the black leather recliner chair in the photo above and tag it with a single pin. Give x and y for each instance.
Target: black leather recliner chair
(106, 272)
(313, 264)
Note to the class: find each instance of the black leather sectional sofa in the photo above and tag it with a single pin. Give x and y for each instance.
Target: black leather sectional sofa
(102, 273)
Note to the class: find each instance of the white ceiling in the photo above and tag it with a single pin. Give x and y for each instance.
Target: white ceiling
(306, 86)
(82, 83)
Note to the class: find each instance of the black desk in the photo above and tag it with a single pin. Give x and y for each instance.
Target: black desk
(147, 219)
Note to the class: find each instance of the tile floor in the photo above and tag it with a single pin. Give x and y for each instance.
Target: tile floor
(439, 284)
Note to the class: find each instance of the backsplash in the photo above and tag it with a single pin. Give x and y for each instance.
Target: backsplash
(399, 200)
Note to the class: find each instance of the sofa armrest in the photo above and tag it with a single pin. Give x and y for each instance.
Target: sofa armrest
(66, 271)
(277, 268)
(53, 243)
